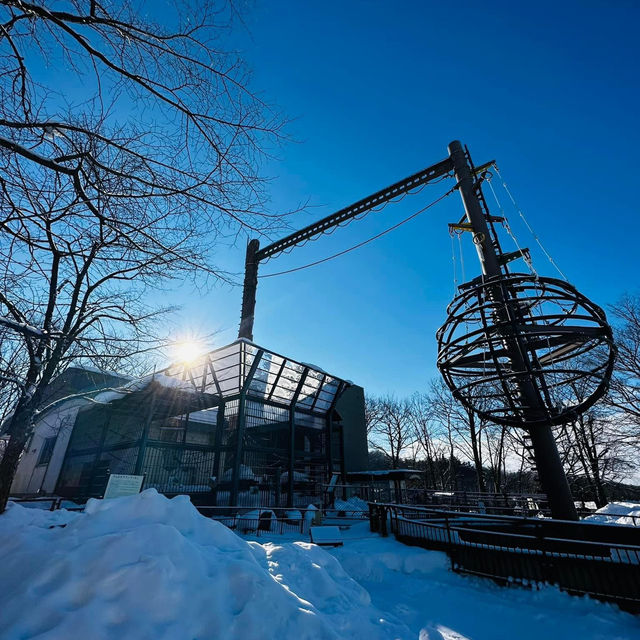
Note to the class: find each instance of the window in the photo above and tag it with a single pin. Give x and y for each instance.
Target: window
(47, 450)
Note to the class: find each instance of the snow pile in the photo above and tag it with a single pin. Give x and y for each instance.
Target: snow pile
(34, 515)
(146, 567)
(245, 473)
(627, 513)
(351, 506)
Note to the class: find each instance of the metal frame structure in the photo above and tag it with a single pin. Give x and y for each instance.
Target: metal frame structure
(251, 426)
(506, 337)
(560, 330)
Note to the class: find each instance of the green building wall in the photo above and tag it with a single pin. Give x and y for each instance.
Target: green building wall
(350, 406)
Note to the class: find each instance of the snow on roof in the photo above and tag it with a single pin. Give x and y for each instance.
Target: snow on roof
(313, 366)
(110, 394)
(138, 384)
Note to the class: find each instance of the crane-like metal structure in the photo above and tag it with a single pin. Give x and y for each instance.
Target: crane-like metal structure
(519, 350)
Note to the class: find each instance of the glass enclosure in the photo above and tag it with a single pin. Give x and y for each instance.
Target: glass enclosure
(242, 426)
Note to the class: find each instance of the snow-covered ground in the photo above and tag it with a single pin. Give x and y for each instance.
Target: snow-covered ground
(145, 567)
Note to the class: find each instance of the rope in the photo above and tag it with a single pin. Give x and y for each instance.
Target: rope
(533, 233)
(361, 244)
(507, 228)
(453, 260)
(464, 277)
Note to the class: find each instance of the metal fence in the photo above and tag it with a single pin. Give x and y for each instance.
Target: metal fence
(580, 558)
(481, 502)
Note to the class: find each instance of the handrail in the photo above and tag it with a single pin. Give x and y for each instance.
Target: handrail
(490, 516)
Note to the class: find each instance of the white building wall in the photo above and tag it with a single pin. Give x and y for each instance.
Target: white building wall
(32, 478)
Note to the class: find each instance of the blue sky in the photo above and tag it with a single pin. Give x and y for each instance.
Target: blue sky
(375, 91)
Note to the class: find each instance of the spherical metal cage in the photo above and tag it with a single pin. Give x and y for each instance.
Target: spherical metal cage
(518, 332)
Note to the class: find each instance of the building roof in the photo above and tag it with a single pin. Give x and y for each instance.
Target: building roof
(261, 373)
(205, 383)
(384, 474)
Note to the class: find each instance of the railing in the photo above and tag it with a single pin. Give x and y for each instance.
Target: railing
(483, 502)
(278, 520)
(581, 558)
(54, 502)
(259, 521)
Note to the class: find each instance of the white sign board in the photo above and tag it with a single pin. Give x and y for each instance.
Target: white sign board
(123, 485)
(326, 536)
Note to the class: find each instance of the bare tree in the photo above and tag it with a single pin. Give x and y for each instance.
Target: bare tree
(372, 412)
(390, 427)
(624, 391)
(428, 433)
(463, 428)
(127, 182)
(593, 452)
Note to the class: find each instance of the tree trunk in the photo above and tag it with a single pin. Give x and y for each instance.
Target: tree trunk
(19, 434)
(600, 491)
(431, 475)
(477, 459)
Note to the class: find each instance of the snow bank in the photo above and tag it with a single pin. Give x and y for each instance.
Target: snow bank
(146, 567)
(319, 580)
(417, 587)
(617, 513)
(18, 517)
(351, 506)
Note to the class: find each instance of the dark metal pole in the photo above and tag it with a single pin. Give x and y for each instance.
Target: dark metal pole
(292, 436)
(249, 290)
(218, 446)
(292, 455)
(550, 470)
(475, 215)
(241, 422)
(237, 461)
(144, 436)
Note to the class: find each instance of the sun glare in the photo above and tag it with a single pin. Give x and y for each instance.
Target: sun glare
(187, 351)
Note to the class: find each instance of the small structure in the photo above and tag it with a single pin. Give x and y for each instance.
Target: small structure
(242, 426)
(382, 485)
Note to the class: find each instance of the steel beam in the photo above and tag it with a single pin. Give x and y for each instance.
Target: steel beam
(357, 208)
(254, 254)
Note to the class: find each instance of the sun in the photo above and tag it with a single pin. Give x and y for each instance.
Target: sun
(187, 351)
